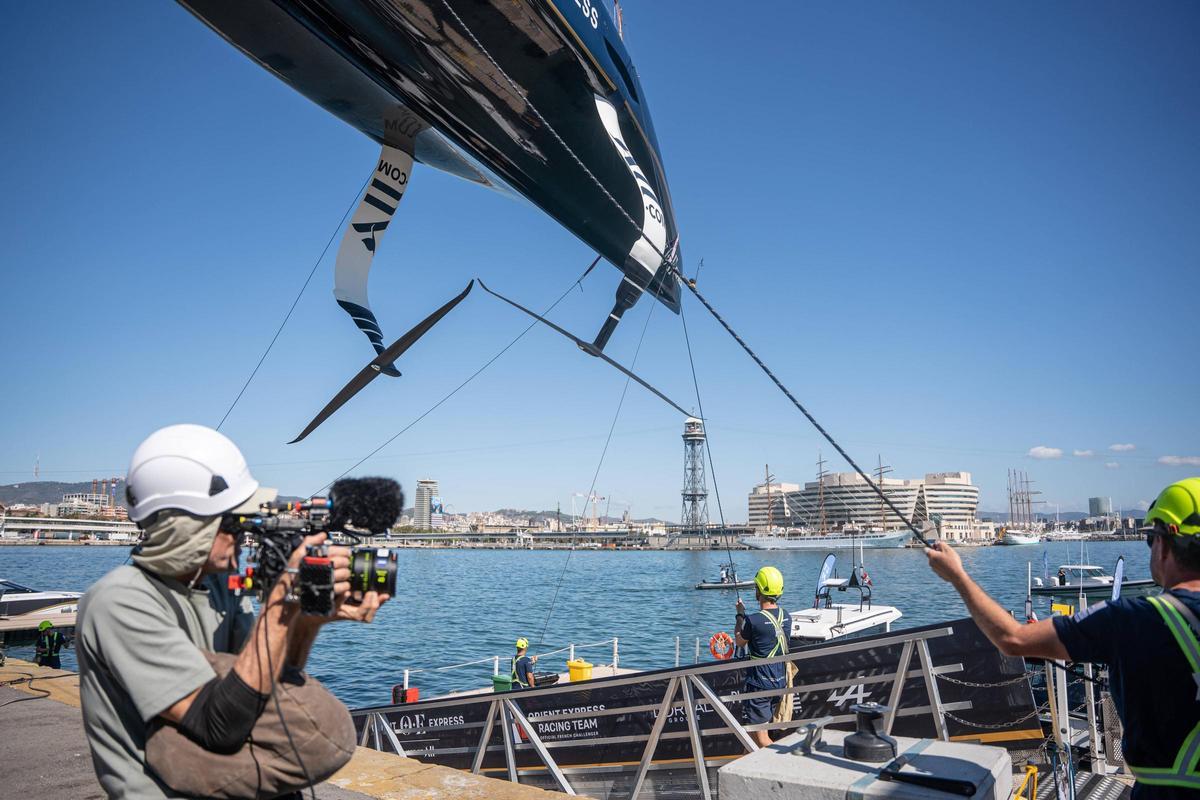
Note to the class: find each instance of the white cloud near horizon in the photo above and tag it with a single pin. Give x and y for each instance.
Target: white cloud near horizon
(1122, 448)
(1041, 451)
(1111, 465)
(1082, 453)
(1180, 461)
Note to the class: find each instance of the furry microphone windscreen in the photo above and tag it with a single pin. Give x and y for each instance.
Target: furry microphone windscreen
(371, 504)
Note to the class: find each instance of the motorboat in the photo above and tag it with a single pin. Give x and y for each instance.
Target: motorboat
(828, 620)
(727, 580)
(1089, 580)
(18, 602)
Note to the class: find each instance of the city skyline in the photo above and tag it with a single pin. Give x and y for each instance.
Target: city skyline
(943, 249)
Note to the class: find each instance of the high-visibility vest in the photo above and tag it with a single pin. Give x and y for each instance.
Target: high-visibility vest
(1183, 772)
(780, 640)
(515, 679)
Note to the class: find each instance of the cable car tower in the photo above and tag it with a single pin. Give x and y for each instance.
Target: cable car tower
(695, 492)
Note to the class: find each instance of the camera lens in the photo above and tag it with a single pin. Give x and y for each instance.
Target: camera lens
(372, 569)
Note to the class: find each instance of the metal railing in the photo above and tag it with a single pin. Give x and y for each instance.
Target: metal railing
(682, 688)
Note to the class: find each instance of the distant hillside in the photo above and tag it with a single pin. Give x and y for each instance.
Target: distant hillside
(38, 492)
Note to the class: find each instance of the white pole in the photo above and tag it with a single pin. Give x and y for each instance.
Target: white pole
(495, 665)
(697, 661)
(405, 679)
(616, 655)
(676, 651)
(571, 652)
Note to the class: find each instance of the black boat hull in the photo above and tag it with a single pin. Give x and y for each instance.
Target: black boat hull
(505, 94)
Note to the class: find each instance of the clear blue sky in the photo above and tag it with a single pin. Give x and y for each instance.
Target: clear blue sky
(958, 231)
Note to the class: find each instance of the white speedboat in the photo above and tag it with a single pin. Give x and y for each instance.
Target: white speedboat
(19, 602)
(1089, 580)
(828, 620)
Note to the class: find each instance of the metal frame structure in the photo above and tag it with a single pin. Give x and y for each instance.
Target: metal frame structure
(684, 687)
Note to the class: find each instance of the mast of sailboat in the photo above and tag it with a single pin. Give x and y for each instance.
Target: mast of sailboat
(880, 471)
(822, 521)
(770, 509)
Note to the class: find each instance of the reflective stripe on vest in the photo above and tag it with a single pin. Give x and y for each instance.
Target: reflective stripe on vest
(515, 679)
(1182, 772)
(780, 639)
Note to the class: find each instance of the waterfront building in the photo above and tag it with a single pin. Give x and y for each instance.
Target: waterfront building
(1099, 506)
(947, 499)
(781, 510)
(427, 489)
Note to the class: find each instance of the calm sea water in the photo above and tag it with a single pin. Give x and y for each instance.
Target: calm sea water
(461, 605)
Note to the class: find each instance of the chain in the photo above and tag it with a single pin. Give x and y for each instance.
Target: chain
(1024, 676)
(986, 727)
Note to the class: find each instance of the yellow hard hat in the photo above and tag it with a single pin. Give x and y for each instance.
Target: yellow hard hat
(1178, 507)
(522, 643)
(769, 582)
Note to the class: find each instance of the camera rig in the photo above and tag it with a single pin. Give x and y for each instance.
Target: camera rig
(355, 507)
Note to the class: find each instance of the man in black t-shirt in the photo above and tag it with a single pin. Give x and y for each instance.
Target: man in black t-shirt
(1151, 645)
(764, 634)
(522, 667)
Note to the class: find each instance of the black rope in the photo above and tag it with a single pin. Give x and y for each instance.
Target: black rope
(596, 475)
(456, 389)
(295, 302)
(708, 450)
(787, 393)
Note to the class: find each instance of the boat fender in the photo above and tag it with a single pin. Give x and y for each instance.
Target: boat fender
(721, 646)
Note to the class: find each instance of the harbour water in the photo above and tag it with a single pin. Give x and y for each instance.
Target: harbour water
(461, 605)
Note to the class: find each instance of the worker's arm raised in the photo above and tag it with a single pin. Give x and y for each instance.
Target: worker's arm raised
(1037, 640)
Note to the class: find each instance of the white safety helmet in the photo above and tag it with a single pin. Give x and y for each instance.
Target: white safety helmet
(190, 468)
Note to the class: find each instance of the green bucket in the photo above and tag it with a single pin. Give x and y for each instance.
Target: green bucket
(501, 683)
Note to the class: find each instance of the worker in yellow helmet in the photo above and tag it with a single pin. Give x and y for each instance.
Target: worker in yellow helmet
(522, 666)
(764, 633)
(1150, 644)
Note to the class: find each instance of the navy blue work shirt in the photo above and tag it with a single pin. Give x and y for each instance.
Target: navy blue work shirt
(524, 668)
(762, 638)
(1149, 678)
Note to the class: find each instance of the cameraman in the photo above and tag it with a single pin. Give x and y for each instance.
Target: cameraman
(138, 665)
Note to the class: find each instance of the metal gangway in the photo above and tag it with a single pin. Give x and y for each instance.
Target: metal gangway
(910, 685)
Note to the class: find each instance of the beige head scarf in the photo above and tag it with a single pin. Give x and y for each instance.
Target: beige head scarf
(176, 544)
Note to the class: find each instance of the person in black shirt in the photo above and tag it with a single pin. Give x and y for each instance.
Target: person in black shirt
(522, 667)
(764, 633)
(1150, 644)
(49, 642)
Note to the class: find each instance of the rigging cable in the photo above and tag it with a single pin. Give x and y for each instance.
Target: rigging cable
(295, 302)
(708, 449)
(787, 393)
(472, 377)
(596, 475)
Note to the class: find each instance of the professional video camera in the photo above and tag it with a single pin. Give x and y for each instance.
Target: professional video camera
(355, 507)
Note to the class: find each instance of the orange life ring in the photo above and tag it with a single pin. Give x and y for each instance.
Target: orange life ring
(721, 646)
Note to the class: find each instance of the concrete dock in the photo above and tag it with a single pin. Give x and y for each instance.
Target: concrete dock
(46, 753)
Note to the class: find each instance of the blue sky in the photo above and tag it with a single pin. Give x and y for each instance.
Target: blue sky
(957, 231)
